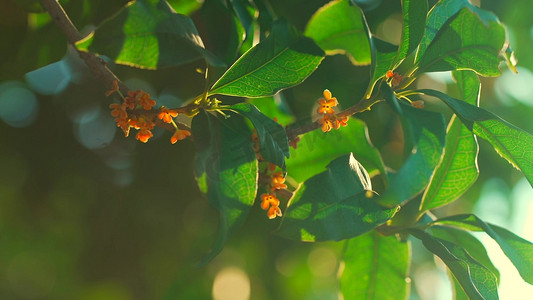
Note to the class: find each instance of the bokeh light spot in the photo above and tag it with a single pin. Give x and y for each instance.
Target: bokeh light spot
(18, 104)
(231, 284)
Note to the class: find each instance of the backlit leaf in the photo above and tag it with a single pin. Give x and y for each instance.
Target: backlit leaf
(273, 142)
(148, 34)
(333, 205)
(519, 251)
(227, 171)
(316, 149)
(282, 60)
(414, 19)
(337, 27)
(458, 169)
(512, 143)
(375, 267)
(466, 43)
(428, 134)
(477, 281)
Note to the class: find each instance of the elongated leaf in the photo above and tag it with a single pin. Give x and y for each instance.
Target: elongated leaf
(466, 43)
(148, 34)
(477, 281)
(458, 169)
(345, 35)
(316, 149)
(428, 134)
(519, 251)
(441, 13)
(282, 60)
(227, 171)
(333, 206)
(464, 239)
(512, 143)
(383, 58)
(414, 19)
(273, 141)
(375, 267)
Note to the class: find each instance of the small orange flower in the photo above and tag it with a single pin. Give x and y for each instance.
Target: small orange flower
(327, 103)
(267, 200)
(145, 101)
(131, 99)
(118, 111)
(144, 135)
(166, 114)
(179, 135)
(341, 122)
(113, 89)
(327, 123)
(278, 181)
(396, 78)
(390, 74)
(273, 212)
(418, 104)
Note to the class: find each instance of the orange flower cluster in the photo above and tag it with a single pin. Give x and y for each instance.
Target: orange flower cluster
(140, 101)
(270, 202)
(395, 78)
(329, 120)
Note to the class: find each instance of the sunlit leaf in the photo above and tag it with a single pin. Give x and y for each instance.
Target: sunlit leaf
(458, 169)
(337, 27)
(466, 43)
(375, 267)
(333, 205)
(227, 169)
(282, 60)
(316, 149)
(519, 251)
(512, 143)
(383, 58)
(273, 142)
(428, 134)
(477, 281)
(443, 12)
(414, 19)
(148, 34)
(466, 240)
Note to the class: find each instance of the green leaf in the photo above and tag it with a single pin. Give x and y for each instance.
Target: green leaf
(274, 107)
(227, 168)
(414, 19)
(511, 142)
(273, 141)
(148, 34)
(316, 149)
(440, 14)
(519, 251)
(428, 134)
(375, 267)
(337, 27)
(333, 206)
(464, 239)
(282, 60)
(477, 281)
(466, 43)
(382, 61)
(458, 169)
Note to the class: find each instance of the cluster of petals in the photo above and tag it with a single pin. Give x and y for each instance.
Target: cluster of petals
(166, 114)
(271, 203)
(329, 120)
(179, 134)
(278, 181)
